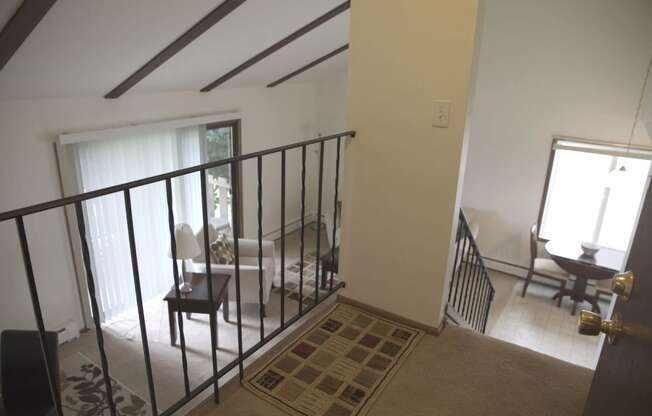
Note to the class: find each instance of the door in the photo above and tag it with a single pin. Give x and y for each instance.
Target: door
(622, 384)
(223, 142)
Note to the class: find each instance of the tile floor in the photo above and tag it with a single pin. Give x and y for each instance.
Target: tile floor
(535, 322)
(125, 353)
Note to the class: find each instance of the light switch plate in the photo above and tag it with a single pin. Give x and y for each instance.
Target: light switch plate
(441, 113)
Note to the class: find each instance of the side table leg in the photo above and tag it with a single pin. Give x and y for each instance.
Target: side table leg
(322, 277)
(173, 326)
(214, 318)
(225, 305)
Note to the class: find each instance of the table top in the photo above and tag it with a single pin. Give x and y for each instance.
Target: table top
(199, 285)
(606, 258)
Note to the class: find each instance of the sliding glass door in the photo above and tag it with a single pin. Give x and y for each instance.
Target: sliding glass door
(130, 154)
(222, 142)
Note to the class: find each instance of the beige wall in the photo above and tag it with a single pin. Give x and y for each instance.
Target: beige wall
(401, 174)
(547, 67)
(28, 129)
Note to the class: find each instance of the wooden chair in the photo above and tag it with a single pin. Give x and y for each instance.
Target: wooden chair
(543, 267)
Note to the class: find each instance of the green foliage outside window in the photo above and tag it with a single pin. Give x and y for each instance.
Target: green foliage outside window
(219, 147)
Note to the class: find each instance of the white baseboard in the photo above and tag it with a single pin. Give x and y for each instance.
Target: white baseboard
(290, 226)
(69, 332)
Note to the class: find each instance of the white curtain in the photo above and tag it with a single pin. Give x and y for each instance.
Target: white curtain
(589, 199)
(106, 162)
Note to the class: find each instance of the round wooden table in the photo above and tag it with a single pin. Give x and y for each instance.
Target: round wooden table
(602, 266)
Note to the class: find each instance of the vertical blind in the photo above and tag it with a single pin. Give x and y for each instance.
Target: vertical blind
(141, 153)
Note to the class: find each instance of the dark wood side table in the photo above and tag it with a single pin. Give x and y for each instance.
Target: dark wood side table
(327, 265)
(602, 266)
(197, 301)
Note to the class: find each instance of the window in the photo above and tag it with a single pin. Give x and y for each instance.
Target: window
(593, 192)
(222, 142)
(113, 156)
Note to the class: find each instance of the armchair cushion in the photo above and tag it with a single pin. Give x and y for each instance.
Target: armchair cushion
(249, 267)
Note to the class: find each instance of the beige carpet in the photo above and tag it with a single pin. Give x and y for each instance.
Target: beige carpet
(461, 373)
(338, 367)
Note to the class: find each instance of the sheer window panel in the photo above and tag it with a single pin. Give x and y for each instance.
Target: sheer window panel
(622, 206)
(575, 193)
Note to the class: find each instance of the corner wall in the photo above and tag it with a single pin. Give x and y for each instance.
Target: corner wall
(28, 129)
(401, 174)
(572, 68)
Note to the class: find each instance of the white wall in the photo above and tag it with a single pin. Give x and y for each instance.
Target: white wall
(28, 129)
(401, 191)
(331, 108)
(572, 67)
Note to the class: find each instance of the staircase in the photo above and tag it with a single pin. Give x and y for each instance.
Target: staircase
(470, 292)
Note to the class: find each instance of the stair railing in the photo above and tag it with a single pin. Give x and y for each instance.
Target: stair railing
(321, 292)
(470, 292)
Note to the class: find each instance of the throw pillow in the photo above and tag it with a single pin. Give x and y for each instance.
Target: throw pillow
(222, 249)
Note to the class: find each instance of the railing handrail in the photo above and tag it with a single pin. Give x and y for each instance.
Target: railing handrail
(61, 202)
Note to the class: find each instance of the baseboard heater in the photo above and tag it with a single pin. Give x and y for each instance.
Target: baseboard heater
(69, 332)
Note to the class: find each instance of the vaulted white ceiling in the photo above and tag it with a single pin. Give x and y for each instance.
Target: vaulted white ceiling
(87, 47)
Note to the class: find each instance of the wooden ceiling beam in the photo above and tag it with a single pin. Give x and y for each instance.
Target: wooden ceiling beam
(310, 65)
(278, 45)
(208, 21)
(21, 24)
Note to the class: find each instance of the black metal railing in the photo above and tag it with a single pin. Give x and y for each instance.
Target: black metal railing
(77, 201)
(470, 292)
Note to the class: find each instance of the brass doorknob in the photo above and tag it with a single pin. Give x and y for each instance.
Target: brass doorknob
(591, 323)
(622, 285)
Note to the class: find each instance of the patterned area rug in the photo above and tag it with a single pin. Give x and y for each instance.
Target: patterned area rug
(83, 392)
(337, 367)
(292, 280)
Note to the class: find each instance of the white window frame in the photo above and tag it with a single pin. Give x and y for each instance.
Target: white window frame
(610, 148)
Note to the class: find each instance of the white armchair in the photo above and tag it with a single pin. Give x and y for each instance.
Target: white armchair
(249, 271)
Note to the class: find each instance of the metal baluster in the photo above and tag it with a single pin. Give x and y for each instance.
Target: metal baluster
(337, 184)
(81, 226)
(260, 248)
(38, 315)
(486, 313)
(235, 215)
(303, 224)
(469, 281)
(457, 252)
(283, 239)
(485, 301)
(486, 288)
(319, 200)
(477, 297)
(465, 280)
(459, 269)
(139, 300)
(175, 276)
(483, 293)
(209, 282)
(477, 281)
